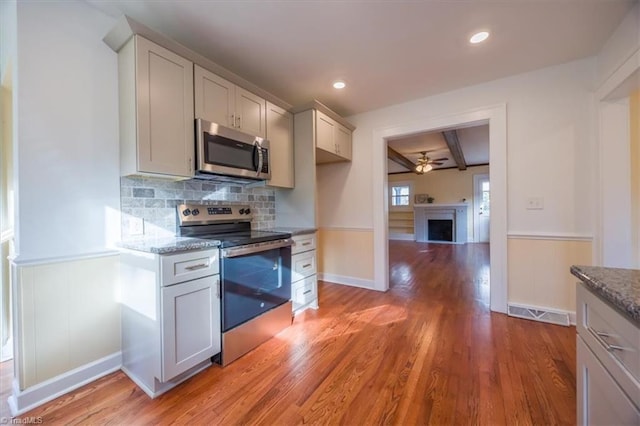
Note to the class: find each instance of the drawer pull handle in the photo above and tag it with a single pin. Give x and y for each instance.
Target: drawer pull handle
(308, 243)
(599, 336)
(307, 292)
(306, 265)
(198, 266)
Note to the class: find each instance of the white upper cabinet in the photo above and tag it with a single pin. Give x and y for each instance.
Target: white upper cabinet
(280, 136)
(156, 110)
(333, 140)
(222, 102)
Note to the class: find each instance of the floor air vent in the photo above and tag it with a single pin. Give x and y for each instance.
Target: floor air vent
(544, 315)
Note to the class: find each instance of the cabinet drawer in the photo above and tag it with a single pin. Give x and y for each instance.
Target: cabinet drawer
(303, 265)
(188, 266)
(302, 243)
(304, 292)
(600, 400)
(614, 339)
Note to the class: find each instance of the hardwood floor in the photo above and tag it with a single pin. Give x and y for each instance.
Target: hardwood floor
(428, 351)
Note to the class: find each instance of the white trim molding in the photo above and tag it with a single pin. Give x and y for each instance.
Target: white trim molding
(350, 281)
(22, 401)
(496, 116)
(551, 236)
(21, 261)
(339, 228)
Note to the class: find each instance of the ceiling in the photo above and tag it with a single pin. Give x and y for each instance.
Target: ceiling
(387, 52)
(473, 140)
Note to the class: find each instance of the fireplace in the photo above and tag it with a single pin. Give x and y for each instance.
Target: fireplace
(440, 229)
(445, 223)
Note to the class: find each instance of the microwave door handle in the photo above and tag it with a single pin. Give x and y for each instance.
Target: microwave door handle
(260, 158)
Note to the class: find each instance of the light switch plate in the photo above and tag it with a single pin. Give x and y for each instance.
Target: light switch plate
(535, 203)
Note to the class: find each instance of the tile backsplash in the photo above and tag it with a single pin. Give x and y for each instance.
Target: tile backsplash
(153, 202)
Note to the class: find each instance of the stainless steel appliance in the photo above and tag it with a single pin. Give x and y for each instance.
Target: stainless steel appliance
(255, 274)
(224, 152)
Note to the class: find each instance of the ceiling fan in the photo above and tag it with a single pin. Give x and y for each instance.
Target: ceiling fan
(424, 164)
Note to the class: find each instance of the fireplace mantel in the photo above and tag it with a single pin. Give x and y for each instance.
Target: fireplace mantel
(456, 212)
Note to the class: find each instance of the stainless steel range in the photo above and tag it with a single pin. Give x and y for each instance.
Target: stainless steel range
(255, 273)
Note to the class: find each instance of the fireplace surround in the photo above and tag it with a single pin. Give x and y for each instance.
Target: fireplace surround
(442, 223)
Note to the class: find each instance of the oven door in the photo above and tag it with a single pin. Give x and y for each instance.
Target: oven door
(225, 151)
(254, 280)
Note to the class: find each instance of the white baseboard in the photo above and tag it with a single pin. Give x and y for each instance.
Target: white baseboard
(344, 280)
(402, 237)
(22, 401)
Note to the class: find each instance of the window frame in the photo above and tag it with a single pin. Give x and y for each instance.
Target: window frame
(408, 207)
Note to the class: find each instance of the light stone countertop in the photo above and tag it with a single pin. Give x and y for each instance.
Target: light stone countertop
(292, 230)
(167, 245)
(618, 287)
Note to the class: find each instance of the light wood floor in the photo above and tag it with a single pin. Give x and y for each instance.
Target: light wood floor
(428, 351)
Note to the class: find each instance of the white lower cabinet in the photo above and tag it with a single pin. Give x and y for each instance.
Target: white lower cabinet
(608, 363)
(304, 282)
(190, 324)
(171, 323)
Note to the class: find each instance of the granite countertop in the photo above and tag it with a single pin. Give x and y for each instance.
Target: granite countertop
(619, 287)
(292, 230)
(166, 245)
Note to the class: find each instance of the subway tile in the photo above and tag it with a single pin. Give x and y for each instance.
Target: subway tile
(143, 192)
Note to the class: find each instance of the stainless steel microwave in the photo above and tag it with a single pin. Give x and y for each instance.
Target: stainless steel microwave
(225, 152)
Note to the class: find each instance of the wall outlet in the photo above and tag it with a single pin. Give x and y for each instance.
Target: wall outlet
(535, 203)
(135, 226)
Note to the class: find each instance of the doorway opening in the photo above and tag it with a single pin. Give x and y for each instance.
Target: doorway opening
(495, 117)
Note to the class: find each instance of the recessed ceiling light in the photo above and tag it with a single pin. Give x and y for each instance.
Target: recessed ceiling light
(479, 37)
(339, 85)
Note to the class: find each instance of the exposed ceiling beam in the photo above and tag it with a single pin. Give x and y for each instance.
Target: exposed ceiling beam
(451, 136)
(396, 157)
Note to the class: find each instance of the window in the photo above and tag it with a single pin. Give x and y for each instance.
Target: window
(400, 193)
(484, 202)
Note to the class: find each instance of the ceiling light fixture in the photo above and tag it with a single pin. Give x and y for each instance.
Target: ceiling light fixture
(339, 85)
(479, 37)
(423, 168)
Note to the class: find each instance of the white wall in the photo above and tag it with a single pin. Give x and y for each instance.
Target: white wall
(549, 149)
(618, 76)
(621, 45)
(67, 170)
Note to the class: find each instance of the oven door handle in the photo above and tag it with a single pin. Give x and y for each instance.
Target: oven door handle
(255, 248)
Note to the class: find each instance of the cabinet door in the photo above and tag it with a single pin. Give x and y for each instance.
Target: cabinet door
(325, 133)
(600, 400)
(250, 113)
(190, 324)
(164, 87)
(214, 97)
(280, 136)
(343, 141)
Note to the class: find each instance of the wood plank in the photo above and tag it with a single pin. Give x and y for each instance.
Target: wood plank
(398, 158)
(428, 351)
(451, 137)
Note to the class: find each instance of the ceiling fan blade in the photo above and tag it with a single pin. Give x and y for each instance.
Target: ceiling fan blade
(440, 159)
(435, 163)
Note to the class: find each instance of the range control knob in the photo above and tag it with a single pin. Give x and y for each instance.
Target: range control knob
(195, 212)
(247, 211)
(186, 212)
(241, 211)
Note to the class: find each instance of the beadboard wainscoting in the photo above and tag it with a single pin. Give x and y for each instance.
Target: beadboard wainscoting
(356, 269)
(155, 200)
(67, 330)
(539, 276)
